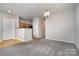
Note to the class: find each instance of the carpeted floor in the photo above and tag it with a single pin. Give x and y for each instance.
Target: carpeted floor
(40, 48)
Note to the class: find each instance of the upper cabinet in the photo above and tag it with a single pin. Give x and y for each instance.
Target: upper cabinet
(24, 24)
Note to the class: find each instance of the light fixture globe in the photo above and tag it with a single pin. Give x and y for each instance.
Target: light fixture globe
(9, 11)
(47, 13)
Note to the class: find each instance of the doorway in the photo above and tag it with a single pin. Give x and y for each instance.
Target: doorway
(39, 27)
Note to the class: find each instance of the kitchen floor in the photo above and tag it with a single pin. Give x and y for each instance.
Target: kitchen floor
(6, 43)
(41, 47)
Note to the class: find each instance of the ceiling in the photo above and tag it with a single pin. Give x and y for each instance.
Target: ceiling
(29, 10)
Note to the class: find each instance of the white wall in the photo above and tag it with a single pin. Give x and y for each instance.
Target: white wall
(1, 28)
(9, 25)
(36, 27)
(61, 26)
(77, 25)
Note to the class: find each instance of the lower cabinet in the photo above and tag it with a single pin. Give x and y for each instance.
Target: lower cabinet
(24, 34)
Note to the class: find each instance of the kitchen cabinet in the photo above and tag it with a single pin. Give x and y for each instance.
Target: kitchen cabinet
(24, 34)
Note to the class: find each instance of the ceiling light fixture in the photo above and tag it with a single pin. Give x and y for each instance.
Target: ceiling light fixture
(47, 13)
(9, 11)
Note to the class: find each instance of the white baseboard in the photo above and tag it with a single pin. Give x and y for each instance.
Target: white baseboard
(61, 40)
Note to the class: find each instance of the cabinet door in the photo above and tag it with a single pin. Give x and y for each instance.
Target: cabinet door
(20, 34)
(8, 27)
(27, 34)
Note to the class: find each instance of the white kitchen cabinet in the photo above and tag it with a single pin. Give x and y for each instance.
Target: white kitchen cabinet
(24, 34)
